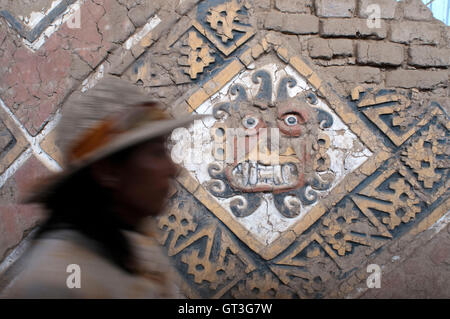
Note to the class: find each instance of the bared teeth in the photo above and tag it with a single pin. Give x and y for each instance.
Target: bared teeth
(254, 174)
(277, 177)
(253, 179)
(245, 170)
(265, 174)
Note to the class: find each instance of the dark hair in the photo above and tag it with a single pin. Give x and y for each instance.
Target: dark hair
(81, 204)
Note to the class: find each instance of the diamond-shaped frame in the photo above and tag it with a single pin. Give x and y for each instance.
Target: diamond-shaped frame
(356, 125)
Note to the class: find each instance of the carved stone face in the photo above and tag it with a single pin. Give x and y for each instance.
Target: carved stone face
(277, 146)
(278, 143)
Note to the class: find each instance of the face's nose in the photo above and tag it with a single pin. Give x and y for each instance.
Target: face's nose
(267, 157)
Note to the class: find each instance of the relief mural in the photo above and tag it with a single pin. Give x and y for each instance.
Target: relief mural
(324, 181)
(290, 187)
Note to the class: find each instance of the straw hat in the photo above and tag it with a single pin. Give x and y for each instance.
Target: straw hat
(108, 118)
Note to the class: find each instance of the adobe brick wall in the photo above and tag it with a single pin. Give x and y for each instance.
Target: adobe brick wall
(407, 39)
(410, 50)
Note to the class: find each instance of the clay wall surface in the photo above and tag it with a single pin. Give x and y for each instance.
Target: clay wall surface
(362, 179)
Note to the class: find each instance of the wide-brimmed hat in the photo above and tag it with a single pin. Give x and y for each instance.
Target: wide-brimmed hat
(112, 116)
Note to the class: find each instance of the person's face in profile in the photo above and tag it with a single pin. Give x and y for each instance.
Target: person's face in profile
(142, 180)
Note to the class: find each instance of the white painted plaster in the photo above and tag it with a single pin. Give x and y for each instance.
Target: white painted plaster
(136, 38)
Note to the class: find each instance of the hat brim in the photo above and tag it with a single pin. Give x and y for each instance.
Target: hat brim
(126, 140)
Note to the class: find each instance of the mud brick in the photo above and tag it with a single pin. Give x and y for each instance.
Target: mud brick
(416, 78)
(428, 56)
(417, 32)
(333, 8)
(351, 28)
(292, 23)
(380, 53)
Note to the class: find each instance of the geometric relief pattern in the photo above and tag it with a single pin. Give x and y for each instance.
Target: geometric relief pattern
(422, 134)
(393, 113)
(397, 200)
(200, 46)
(339, 243)
(209, 255)
(355, 173)
(402, 191)
(226, 24)
(428, 155)
(343, 226)
(196, 55)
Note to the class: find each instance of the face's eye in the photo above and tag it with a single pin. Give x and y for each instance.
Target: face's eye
(250, 122)
(291, 123)
(291, 120)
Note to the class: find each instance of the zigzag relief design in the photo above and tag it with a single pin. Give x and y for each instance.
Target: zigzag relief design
(393, 113)
(204, 252)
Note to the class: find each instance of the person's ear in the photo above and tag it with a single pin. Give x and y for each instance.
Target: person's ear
(105, 174)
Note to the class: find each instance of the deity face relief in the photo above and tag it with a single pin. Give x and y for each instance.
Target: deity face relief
(269, 147)
(275, 146)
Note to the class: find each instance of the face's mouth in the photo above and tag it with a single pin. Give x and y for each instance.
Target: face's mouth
(250, 176)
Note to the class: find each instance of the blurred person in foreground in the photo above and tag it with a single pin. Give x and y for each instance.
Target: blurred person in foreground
(117, 174)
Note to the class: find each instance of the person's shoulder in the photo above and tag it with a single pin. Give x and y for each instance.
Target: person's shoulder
(54, 261)
(63, 247)
(57, 258)
(43, 270)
